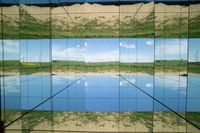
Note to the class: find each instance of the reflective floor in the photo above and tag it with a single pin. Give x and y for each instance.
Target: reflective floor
(101, 103)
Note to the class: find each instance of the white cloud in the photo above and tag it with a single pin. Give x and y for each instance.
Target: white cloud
(86, 84)
(150, 43)
(128, 46)
(86, 44)
(125, 83)
(78, 82)
(172, 82)
(149, 85)
(12, 84)
(121, 83)
(59, 54)
(68, 53)
(78, 54)
(133, 81)
(10, 46)
(103, 57)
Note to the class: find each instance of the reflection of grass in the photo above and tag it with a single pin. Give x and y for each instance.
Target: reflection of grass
(86, 117)
(143, 117)
(133, 118)
(170, 118)
(31, 27)
(38, 118)
(138, 28)
(11, 115)
(194, 27)
(91, 117)
(169, 121)
(35, 118)
(130, 26)
(172, 27)
(194, 117)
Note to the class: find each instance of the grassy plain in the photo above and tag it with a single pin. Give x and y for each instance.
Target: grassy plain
(80, 67)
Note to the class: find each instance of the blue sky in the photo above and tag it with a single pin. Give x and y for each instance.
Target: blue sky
(38, 50)
(102, 50)
(89, 50)
(127, 49)
(171, 49)
(68, 49)
(194, 50)
(11, 50)
(137, 50)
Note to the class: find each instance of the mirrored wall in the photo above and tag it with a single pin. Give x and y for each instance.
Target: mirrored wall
(100, 65)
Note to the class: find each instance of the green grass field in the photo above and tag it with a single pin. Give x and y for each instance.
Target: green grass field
(82, 67)
(13, 66)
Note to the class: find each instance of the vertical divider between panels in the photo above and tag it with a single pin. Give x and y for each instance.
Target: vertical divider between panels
(136, 50)
(2, 75)
(119, 67)
(188, 41)
(19, 45)
(3, 65)
(67, 72)
(50, 66)
(164, 68)
(154, 65)
(179, 69)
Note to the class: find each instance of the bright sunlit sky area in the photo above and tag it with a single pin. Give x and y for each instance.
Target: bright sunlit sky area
(102, 50)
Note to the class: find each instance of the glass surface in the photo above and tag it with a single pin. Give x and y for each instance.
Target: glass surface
(100, 65)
